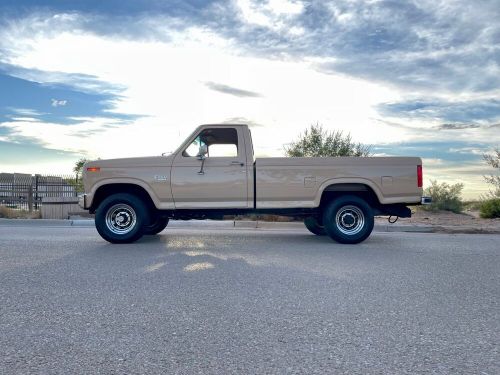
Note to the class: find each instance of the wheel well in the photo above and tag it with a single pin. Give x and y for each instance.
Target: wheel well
(106, 190)
(360, 190)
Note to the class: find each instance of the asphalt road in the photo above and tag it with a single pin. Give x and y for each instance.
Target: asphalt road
(248, 301)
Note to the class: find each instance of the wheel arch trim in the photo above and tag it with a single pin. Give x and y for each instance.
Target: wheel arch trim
(90, 198)
(348, 181)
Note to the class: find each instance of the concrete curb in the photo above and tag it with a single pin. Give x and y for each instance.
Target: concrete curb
(246, 224)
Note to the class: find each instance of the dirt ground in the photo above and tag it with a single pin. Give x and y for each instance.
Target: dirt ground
(468, 222)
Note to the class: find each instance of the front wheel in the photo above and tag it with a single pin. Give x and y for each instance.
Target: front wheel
(120, 218)
(348, 219)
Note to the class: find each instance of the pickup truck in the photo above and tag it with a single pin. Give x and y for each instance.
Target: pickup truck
(214, 173)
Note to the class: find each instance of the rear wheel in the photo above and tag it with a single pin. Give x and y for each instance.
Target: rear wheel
(120, 218)
(157, 226)
(315, 226)
(348, 219)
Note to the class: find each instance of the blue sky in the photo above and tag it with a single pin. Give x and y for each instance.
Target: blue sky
(124, 78)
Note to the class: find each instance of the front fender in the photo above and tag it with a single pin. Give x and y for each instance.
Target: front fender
(89, 199)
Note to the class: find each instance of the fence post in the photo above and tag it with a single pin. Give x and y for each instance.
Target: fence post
(30, 198)
(76, 184)
(36, 192)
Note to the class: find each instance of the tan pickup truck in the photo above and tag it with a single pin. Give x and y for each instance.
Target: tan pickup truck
(214, 173)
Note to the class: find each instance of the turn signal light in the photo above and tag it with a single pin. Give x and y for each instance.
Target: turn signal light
(419, 176)
(93, 169)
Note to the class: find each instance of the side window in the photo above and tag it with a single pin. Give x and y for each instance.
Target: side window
(194, 148)
(220, 142)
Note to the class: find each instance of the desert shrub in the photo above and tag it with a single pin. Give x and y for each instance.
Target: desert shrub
(5, 212)
(490, 208)
(444, 197)
(9, 213)
(318, 142)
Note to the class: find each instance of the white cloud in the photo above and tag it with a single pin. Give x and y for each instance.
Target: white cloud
(58, 103)
(165, 82)
(25, 111)
(274, 14)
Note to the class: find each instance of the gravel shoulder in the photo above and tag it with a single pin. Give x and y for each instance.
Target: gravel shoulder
(449, 222)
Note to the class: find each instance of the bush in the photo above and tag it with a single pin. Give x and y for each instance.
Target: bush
(9, 213)
(490, 208)
(444, 197)
(317, 142)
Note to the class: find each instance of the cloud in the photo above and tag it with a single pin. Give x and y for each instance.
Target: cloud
(57, 103)
(225, 89)
(24, 111)
(430, 45)
(457, 126)
(386, 71)
(484, 110)
(29, 98)
(273, 14)
(243, 120)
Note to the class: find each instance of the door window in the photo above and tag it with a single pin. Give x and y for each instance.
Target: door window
(220, 142)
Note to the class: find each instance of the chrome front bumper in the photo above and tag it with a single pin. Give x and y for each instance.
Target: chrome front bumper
(81, 201)
(426, 200)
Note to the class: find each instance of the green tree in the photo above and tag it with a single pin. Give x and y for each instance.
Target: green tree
(493, 160)
(316, 141)
(78, 168)
(77, 183)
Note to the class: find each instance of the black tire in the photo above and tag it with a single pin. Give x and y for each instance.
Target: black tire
(156, 227)
(120, 218)
(348, 219)
(315, 226)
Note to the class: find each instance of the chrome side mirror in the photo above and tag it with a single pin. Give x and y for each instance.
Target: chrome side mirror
(202, 156)
(202, 152)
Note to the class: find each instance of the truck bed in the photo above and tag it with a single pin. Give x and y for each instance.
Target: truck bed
(298, 182)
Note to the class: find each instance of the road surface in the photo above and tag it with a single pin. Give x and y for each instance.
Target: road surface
(247, 301)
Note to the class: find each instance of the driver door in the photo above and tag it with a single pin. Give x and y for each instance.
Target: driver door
(217, 179)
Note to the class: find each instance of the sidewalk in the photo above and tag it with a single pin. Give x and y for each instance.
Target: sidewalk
(380, 225)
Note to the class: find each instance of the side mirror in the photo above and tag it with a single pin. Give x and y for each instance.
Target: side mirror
(202, 152)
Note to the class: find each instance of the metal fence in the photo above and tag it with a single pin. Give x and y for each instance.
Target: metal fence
(25, 192)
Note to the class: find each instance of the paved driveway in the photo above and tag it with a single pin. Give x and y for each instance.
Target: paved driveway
(247, 301)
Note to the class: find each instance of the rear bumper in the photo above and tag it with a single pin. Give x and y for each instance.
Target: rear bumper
(426, 200)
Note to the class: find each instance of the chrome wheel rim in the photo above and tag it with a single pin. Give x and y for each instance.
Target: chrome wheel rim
(350, 220)
(121, 218)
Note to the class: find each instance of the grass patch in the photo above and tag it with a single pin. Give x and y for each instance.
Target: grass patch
(10, 213)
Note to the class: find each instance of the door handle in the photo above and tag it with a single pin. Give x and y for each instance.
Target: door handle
(241, 164)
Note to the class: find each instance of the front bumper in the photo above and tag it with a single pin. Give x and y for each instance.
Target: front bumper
(426, 200)
(82, 200)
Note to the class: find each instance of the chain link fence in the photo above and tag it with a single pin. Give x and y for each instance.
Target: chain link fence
(25, 192)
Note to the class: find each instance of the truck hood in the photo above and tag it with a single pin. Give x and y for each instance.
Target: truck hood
(146, 161)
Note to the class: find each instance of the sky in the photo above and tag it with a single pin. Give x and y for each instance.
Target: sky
(122, 78)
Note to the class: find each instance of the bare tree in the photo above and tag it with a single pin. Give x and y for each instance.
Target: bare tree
(494, 161)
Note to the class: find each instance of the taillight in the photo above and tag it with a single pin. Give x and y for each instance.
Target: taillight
(93, 169)
(419, 176)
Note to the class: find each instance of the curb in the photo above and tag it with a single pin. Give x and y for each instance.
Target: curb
(404, 228)
(247, 224)
(45, 223)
